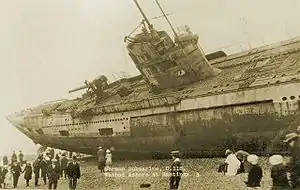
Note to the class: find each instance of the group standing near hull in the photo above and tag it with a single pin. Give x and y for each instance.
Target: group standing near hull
(51, 169)
(284, 175)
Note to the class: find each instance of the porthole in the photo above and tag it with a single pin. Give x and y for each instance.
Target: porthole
(292, 97)
(299, 96)
(124, 127)
(122, 123)
(284, 98)
(126, 118)
(122, 113)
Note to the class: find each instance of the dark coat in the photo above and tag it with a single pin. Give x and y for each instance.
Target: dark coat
(57, 158)
(51, 153)
(73, 170)
(5, 160)
(279, 176)
(16, 170)
(64, 162)
(21, 157)
(3, 173)
(254, 177)
(36, 166)
(28, 172)
(100, 155)
(44, 166)
(14, 158)
(53, 173)
(295, 150)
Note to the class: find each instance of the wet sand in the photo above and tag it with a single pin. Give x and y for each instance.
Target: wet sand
(199, 174)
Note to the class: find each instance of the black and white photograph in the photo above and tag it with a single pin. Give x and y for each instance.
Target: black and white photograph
(150, 94)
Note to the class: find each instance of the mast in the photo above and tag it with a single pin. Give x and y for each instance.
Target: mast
(166, 18)
(143, 14)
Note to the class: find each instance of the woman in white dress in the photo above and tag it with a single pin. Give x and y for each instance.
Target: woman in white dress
(108, 158)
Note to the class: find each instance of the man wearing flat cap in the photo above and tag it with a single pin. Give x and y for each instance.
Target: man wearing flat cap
(293, 141)
(53, 173)
(176, 170)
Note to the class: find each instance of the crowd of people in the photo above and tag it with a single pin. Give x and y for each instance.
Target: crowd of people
(285, 175)
(47, 165)
(51, 167)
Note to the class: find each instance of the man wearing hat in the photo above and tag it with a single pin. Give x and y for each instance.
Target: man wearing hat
(36, 169)
(63, 165)
(176, 170)
(16, 171)
(292, 140)
(73, 171)
(53, 173)
(44, 166)
(255, 174)
(278, 172)
(101, 159)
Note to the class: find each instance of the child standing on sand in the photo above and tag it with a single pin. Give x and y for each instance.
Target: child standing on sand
(27, 173)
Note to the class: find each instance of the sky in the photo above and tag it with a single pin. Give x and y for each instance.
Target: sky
(48, 47)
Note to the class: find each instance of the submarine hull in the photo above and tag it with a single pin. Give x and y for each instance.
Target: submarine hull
(252, 127)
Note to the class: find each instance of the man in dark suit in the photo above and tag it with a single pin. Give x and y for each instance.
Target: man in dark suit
(16, 171)
(63, 166)
(53, 173)
(101, 159)
(36, 169)
(73, 171)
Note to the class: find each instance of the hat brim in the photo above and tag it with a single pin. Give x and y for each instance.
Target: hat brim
(290, 139)
(276, 163)
(253, 163)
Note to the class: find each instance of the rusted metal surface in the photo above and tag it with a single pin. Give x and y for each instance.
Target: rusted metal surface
(250, 127)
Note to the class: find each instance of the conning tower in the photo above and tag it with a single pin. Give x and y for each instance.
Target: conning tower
(165, 63)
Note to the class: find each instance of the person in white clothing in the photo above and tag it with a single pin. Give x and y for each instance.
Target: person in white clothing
(108, 160)
(233, 164)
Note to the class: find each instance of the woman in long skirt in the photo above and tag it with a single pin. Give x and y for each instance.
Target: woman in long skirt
(108, 158)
